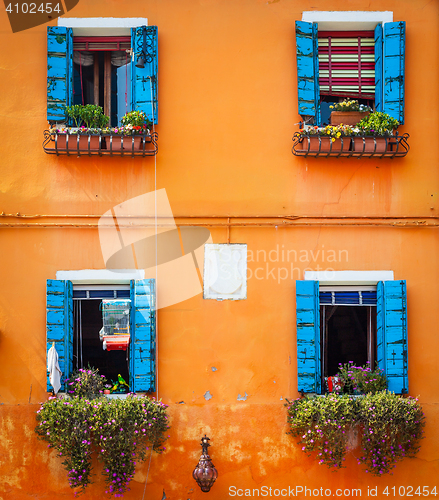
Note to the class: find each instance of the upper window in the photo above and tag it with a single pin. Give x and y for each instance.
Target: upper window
(358, 324)
(365, 65)
(118, 73)
(75, 324)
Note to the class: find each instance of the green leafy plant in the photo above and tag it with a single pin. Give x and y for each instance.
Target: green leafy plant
(93, 116)
(361, 379)
(74, 112)
(86, 383)
(391, 428)
(377, 123)
(350, 105)
(121, 430)
(90, 117)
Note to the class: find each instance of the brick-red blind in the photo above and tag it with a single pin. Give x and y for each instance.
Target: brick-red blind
(347, 63)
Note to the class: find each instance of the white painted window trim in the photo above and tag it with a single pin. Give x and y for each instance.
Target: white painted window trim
(347, 20)
(349, 277)
(101, 276)
(101, 26)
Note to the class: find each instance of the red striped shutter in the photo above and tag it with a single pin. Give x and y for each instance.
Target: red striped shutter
(347, 63)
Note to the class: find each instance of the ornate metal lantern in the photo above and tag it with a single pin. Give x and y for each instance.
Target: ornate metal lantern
(205, 473)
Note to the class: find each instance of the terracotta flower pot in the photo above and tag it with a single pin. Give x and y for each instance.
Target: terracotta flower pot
(73, 142)
(347, 117)
(115, 142)
(367, 144)
(325, 144)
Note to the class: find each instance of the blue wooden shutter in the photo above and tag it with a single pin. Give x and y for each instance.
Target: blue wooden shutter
(379, 67)
(59, 325)
(308, 91)
(144, 81)
(308, 336)
(392, 333)
(143, 336)
(394, 70)
(59, 71)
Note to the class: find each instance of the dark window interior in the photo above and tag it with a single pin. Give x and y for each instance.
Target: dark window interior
(348, 334)
(87, 347)
(85, 94)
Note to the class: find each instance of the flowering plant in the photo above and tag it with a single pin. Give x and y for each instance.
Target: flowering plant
(86, 382)
(391, 428)
(64, 424)
(121, 430)
(135, 118)
(350, 105)
(332, 131)
(127, 130)
(321, 423)
(361, 379)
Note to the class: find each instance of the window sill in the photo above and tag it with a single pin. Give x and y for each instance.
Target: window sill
(64, 395)
(351, 146)
(100, 145)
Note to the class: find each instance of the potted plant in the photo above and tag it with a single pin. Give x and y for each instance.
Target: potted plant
(86, 382)
(390, 427)
(373, 132)
(348, 112)
(329, 138)
(120, 430)
(89, 120)
(134, 126)
(351, 379)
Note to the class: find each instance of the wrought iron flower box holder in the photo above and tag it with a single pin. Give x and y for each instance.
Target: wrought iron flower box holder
(396, 146)
(106, 147)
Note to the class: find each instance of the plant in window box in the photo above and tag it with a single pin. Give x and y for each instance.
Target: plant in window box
(373, 133)
(86, 383)
(361, 379)
(329, 138)
(391, 428)
(126, 137)
(348, 112)
(121, 430)
(134, 126)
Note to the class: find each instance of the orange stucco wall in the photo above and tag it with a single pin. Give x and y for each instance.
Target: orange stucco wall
(227, 112)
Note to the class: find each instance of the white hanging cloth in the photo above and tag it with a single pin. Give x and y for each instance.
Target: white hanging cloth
(54, 369)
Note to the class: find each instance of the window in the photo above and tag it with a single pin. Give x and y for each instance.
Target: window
(99, 70)
(333, 325)
(337, 64)
(74, 320)
(347, 326)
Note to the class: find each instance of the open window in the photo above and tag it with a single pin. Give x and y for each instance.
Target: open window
(366, 65)
(347, 326)
(351, 324)
(102, 70)
(75, 324)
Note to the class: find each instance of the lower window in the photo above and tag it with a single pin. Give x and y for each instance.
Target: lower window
(90, 347)
(74, 324)
(359, 324)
